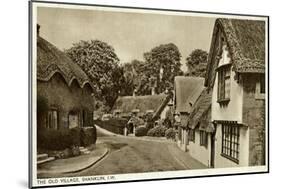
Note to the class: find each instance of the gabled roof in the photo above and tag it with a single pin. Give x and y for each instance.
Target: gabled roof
(51, 60)
(246, 43)
(187, 90)
(141, 103)
(201, 112)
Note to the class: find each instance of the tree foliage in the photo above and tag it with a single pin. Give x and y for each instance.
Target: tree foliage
(197, 63)
(101, 64)
(163, 63)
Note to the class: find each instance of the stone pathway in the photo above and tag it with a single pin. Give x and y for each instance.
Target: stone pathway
(74, 164)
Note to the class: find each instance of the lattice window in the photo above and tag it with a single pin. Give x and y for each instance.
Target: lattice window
(230, 142)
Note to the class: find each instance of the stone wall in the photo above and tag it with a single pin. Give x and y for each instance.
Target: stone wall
(254, 118)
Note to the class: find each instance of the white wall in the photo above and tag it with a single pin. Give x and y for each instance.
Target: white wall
(233, 110)
(182, 140)
(163, 113)
(221, 161)
(200, 153)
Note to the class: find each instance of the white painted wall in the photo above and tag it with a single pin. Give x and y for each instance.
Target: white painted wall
(233, 110)
(163, 113)
(221, 161)
(200, 153)
(182, 140)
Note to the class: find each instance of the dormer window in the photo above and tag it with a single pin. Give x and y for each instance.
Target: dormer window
(223, 83)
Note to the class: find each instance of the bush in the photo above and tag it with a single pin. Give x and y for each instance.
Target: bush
(158, 131)
(170, 133)
(57, 139)
(51, 139)
(149, 125)
(141, 131)
(151, 132)
(88, 136)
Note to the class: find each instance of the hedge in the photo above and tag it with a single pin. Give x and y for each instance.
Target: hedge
(115, 125)
(88, 136)
(158, 131)
(170, 133)
(51, 139)
(141, 131)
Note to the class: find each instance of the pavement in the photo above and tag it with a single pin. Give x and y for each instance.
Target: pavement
(74, 164)
(185, 159)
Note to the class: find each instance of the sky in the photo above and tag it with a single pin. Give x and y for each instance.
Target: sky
(130, 34)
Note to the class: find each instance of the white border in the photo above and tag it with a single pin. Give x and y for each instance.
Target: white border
(137, 176)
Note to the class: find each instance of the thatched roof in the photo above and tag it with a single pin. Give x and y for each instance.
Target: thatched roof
(141, 103)
(246, 43)
(187, 90)
(51, 60)
(201, 112)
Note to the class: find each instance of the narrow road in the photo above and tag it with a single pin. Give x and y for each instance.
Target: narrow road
(131, 155)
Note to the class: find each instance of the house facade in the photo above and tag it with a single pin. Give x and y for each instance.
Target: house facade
(64, 92)
(187, 90)
(236, 76)
(200, 131)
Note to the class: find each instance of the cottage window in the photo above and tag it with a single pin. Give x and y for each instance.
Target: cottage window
(224, 83)
(87, 118)
(52, 119)
(230, 142)
(191, 135)
(203, 138)
(260, 87)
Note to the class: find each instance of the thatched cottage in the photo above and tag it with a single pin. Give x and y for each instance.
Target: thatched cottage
(157, 105)
(236, 77)
(187, 91)
(201, 130)
(64, 91)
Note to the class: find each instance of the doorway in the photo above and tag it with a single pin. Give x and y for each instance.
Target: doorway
(212, 162)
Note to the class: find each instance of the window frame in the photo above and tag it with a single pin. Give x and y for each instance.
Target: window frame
(230, 149)
(258, 93)
(203, 138)
(191, 135)
(224, 74)
(54, 122)
(87, 118)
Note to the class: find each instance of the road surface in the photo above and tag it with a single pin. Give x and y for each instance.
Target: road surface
(131, 155)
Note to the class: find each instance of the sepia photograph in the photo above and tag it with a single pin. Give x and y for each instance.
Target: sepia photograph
(125, 94)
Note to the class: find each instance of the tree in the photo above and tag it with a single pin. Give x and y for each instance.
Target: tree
(101, 64)
(136, 77)
(163, 64)
(197, 63)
